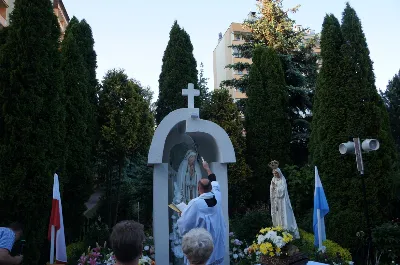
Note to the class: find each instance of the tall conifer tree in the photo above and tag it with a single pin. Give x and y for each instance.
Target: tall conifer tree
(178, 69)
(84, 39)
(267, 119)
(31, 144)
(78, 156)
(392, 100)
(347, 105)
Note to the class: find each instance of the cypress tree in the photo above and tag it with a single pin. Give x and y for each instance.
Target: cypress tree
(178, 69)
(327, 132)
(347, 104)
(84, 39)
(78, 158)
(267, 118)
(367, 116)
(31, 146)
(392, 99)
(326, 127)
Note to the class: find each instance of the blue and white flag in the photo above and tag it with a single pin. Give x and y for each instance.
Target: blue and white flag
(321, 209)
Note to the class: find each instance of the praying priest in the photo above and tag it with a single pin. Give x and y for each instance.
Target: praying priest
(205, 212)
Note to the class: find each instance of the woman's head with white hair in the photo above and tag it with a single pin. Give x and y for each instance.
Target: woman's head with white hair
(197, 245)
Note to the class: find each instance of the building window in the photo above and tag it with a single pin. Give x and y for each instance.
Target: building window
(239, 72)
(237, 36)
(236, 53)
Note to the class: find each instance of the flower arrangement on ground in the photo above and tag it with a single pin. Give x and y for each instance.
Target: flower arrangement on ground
(104, 256)
(272, 241)
(237, 250)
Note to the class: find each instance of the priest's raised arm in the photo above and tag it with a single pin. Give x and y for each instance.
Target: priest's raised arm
(214, 183)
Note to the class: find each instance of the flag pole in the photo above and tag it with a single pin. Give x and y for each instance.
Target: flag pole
(53, 232)
(319, 228)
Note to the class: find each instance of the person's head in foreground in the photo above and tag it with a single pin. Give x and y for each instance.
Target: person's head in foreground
(17, 229)
(197, 245)
(127, 242)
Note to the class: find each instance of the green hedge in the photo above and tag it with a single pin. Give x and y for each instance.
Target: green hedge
(306, 245)
(248, 225)
(74, 252)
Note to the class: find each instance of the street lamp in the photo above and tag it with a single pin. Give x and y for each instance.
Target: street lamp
(354, 147)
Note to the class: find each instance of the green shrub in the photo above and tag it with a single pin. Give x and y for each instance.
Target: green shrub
(246, 226)
(386, 239)
(74, 252)
(300, 179)
(97, 233)
(333, 250)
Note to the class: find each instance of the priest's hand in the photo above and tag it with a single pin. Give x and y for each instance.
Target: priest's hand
(207, 167)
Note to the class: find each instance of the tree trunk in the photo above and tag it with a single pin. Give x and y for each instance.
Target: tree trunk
(109, 192)
(118, 190)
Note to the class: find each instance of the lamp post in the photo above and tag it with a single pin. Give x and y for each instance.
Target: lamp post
(354, 147)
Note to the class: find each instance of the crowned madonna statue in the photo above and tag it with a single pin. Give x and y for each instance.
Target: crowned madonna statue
(281, 208)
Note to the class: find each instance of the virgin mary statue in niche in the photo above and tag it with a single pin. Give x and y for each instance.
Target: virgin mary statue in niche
(185, 189)
(189, 173)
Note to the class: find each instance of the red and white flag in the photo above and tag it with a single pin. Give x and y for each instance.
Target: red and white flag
(56, 220)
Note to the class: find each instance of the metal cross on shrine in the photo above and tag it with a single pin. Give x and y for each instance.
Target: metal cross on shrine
(190, 92)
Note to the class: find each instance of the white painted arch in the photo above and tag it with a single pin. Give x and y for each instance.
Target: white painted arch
(226, 153)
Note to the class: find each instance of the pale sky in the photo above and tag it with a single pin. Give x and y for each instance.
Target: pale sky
(133, 34)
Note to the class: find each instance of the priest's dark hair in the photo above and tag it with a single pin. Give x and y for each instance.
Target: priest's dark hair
(127, 241)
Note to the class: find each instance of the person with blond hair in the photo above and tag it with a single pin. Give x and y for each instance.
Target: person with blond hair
(197, 245)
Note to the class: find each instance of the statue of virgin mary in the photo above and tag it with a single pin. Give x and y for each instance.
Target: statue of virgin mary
(281, 208)
(185, 189)
(189, 173)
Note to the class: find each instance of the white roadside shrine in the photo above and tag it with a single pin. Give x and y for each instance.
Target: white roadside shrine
(213, 145)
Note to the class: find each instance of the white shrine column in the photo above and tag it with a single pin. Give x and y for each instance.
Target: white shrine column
(160, 212)
(220, 171)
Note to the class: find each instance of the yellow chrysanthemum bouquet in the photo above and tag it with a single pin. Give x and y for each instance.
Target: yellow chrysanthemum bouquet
(271, 241)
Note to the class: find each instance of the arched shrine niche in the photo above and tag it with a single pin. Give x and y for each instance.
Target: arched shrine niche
(180, 131)
(183, 152)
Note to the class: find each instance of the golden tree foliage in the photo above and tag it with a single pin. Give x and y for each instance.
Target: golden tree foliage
(274, 28)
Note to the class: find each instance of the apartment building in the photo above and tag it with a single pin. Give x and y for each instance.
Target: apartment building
(7, 6)
(223, 55)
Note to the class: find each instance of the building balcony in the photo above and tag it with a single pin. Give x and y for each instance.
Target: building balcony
(241, 60)
(3, 13)
(3, 22)
(3, 4)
